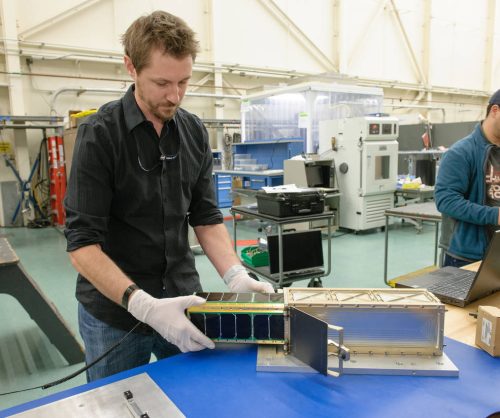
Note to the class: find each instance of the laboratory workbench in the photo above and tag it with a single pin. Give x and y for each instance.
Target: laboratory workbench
(224, 383)
(419, 195)
(240, 173)
(16, 282)
(459, 324)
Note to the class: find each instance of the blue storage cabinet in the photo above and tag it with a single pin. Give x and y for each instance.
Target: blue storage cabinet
(223, 190)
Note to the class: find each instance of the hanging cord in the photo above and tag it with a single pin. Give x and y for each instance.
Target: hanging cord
(79, 371)
(40, 187)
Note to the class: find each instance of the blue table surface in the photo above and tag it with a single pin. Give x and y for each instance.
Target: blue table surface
(224, 383)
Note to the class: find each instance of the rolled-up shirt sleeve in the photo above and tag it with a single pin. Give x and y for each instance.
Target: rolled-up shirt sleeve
(203, 208)
(89, 193)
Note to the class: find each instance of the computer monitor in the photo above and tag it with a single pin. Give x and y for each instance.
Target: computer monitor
(301, 251)
(315, 176)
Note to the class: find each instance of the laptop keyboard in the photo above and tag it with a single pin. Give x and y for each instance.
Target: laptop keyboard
(457, 285)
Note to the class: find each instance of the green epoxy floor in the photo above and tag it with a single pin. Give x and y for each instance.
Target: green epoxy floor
(28, 359)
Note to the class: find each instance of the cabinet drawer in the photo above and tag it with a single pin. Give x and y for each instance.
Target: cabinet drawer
(257, 182)
(224, 195)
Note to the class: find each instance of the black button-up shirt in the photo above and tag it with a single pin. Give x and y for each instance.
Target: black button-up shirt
(134, 194)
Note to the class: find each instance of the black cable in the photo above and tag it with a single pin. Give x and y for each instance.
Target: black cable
(74, 374)
(40, 188)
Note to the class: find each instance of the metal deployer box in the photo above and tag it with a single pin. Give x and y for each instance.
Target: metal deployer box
(376, 321)
(333, 331)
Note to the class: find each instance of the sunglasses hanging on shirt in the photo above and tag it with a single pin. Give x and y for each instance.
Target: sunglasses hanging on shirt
(163, 157)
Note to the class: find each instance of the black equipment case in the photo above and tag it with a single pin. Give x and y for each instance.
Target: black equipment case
(290, 204)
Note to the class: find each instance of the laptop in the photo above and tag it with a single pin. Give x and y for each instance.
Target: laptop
(302, 253)
(460, 287)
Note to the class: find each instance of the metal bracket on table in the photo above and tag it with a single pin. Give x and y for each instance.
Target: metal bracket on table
(274, 359)
(311, 345)
(337, 349)
(132, 406)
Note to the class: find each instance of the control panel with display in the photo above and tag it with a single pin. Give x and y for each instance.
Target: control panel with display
(382, 130)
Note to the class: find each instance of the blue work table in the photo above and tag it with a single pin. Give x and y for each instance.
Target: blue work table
(224, 383)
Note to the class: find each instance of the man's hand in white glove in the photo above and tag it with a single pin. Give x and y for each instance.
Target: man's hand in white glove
(238, 281)
(167, 317)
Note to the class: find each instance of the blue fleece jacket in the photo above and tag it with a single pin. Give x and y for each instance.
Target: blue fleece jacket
(460, 194)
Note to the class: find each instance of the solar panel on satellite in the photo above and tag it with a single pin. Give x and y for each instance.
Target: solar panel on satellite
(241, 317)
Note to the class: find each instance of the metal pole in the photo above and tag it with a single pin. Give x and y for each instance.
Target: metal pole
(280, 254)
(436, 243)
(386, 247)
(234, 229)
(329, 246)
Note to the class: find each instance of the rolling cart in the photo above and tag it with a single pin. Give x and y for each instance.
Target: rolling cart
(284, 279)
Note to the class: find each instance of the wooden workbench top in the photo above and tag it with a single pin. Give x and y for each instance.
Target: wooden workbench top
(7, 254)
(458, 324)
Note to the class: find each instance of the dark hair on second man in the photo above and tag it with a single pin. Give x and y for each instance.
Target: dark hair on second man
(488, 109)
(494, 100)
(158, 30)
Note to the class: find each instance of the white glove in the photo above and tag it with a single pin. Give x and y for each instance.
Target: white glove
(238, 281)
(167, 317)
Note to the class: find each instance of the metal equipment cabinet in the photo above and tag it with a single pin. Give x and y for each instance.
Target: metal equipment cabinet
(284, 279)
(223, 193)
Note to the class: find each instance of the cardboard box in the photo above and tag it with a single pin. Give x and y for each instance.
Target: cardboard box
(69, 140)
(237, 183)
(488, 329)
(72, 119)
(77, 117)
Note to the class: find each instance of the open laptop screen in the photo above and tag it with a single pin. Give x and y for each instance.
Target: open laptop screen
(488, 278)
(301, 251)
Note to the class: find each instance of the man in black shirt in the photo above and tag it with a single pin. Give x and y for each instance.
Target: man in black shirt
(142, 170)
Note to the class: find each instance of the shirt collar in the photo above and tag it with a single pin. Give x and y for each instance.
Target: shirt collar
(133, 113)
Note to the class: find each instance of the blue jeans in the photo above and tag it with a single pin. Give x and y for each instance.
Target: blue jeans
(133, 352)
(455, 262)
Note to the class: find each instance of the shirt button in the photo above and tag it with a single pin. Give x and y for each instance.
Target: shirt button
(164, 288)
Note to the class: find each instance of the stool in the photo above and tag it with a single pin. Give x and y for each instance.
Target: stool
(16, 282)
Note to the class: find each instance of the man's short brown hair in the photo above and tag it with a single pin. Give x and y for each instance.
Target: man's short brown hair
(158, 30)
